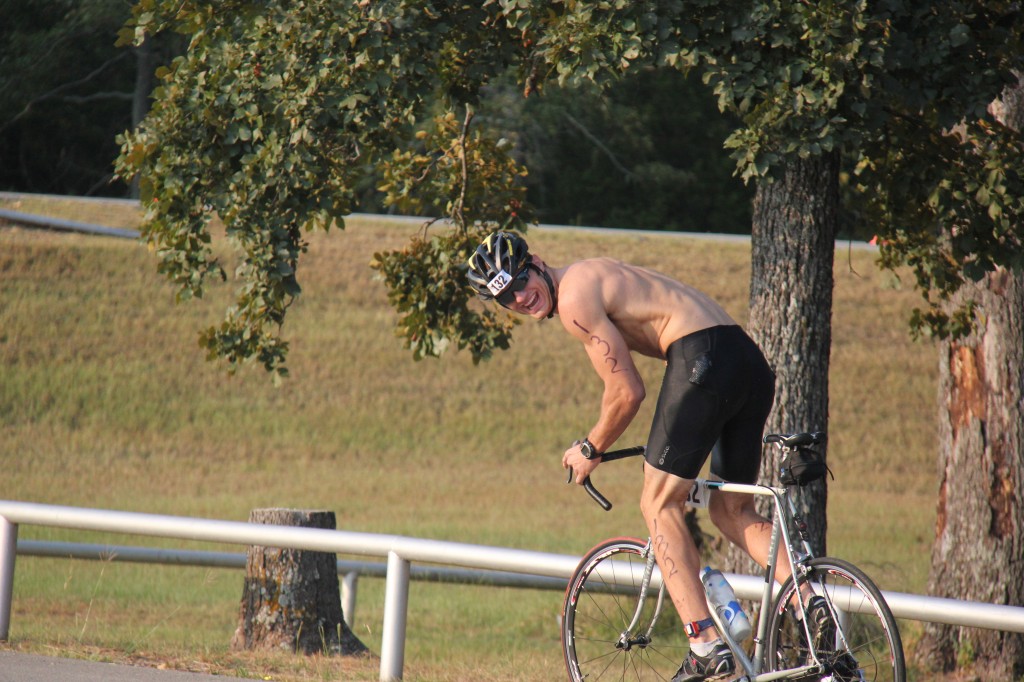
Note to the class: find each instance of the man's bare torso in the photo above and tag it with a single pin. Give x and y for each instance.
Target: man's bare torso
(649, 309)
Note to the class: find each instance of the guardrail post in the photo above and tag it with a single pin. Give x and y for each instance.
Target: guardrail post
(349, 587)
(8, 550)
(396, 608)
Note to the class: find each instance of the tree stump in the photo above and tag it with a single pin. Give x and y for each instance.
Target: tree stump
(291, 599)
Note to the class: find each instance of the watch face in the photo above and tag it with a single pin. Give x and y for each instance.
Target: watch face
(587, 449)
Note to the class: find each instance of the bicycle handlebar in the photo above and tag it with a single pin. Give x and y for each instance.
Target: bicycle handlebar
(609, 456)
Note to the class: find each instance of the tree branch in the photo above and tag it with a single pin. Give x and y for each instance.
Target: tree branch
(597, 143)
(52, 94)
(81, 99)
(465, 169)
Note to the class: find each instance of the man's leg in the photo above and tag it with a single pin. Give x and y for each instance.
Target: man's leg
(662, 504)
(735, 515)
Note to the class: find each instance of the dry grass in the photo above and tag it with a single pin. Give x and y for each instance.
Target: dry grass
(106, 401)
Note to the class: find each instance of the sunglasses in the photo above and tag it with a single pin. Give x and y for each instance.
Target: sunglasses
(508, 296)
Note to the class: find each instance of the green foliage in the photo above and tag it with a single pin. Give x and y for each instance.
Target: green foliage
(456, 171)
(259, 148)
(598, 41)
(939, 174)
(970, 187)
(788, 78)
(425, 286)
(268, 122)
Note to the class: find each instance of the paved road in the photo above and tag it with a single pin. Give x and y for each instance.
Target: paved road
(16, 667)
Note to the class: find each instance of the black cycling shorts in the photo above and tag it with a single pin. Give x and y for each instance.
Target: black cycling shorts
(717, 388)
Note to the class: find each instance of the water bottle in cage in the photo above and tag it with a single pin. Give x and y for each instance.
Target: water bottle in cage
(724, 601)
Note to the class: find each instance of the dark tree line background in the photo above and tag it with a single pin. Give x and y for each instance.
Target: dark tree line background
(647, 154)
(65, 93)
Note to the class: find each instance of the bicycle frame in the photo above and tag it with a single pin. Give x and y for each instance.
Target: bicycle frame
(783, 514)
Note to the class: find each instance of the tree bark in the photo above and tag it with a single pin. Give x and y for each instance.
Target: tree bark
(793, 248)
(291, 599)
(979, 549)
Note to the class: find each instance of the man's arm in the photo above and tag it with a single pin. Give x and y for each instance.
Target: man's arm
(583, 314)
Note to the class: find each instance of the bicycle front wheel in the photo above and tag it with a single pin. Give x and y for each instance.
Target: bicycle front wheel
(601, 602)
(862, 641)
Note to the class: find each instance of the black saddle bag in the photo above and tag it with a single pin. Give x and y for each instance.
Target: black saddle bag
(802, 466)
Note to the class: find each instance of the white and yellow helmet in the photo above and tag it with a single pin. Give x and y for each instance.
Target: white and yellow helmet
(496, 264)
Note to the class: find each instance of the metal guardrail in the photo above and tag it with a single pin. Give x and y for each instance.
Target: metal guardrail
(400, 552)
(62, 225)
(389, 217)
(350, 571)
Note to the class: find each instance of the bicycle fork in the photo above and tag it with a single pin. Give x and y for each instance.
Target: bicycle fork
(626, 639)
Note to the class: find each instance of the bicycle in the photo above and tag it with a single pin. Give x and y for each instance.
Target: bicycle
(615, 624)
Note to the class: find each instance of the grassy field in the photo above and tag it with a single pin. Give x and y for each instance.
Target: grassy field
(107, 401)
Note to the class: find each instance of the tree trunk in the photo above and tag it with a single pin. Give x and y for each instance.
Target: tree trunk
(793, 248)
(291, 598)
(979, 549)
(979, 529)
(145, 66)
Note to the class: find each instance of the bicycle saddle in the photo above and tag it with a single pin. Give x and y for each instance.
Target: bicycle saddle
(795, 440)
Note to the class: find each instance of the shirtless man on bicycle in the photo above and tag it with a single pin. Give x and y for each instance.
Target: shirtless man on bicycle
(717, 387)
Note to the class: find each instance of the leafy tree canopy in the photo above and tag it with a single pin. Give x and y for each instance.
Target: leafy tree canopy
(279, 108)
(272, 118)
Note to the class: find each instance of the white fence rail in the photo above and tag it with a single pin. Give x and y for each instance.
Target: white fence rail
(350, 571)
(400, 553)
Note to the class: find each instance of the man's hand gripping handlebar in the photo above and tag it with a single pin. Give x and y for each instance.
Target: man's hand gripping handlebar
(607, 457)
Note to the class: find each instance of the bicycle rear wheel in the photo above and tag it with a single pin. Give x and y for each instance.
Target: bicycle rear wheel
(866, 645)
(600, 602)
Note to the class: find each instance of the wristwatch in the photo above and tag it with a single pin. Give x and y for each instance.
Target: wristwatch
(587, 449)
